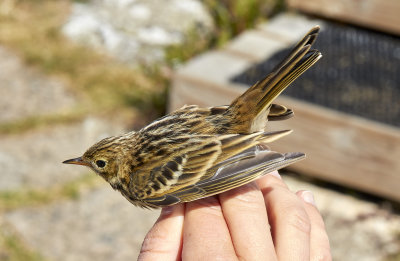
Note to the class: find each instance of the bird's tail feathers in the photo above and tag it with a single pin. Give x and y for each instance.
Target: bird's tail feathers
(258, 98)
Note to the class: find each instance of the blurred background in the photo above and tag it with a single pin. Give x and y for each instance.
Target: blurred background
(73, 72)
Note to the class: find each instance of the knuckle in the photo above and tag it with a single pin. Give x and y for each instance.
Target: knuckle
(297, 218)
(248, 200)
(246, 196)
(150, 250)
(150, 242)
(271, 180)
(155, 244)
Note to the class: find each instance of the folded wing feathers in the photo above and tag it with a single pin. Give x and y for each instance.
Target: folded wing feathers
(248, 170)
(239, 174)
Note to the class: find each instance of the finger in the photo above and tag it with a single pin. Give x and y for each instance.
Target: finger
(246, 216)
(205, 233)
(290, 224)
(319, 242)
(164, 240)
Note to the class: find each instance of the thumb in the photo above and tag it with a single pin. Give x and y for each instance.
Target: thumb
(164, 240)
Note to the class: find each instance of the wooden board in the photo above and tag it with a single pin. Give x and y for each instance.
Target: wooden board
(345, 149)
(377, 14)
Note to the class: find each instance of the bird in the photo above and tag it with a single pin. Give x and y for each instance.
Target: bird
(195, 152)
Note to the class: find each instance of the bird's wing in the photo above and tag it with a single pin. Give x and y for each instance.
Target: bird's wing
(244, 171)
(212, 165)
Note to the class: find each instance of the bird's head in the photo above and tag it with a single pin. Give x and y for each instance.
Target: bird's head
(102, 158)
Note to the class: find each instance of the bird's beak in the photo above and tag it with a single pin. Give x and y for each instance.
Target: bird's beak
(77, 161)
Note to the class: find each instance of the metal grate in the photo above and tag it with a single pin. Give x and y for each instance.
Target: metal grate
(359, 73)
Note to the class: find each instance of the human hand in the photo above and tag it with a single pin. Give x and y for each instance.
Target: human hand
(262, 220)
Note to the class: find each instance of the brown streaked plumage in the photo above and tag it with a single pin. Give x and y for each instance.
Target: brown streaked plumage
(195, 152)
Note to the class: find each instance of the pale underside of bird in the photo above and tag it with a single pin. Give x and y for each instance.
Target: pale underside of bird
(196, 152)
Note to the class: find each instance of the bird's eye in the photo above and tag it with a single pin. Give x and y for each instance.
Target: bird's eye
(100, 163)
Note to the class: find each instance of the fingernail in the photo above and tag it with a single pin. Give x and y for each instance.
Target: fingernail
(275, 174)
(308, 197)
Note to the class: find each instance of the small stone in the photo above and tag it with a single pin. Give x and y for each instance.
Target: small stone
(157, 36)
(140, 12)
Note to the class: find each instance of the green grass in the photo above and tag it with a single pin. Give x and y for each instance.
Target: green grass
(13, 249)
(393, 257)
(193, 45)
(233, 17)
(28, 123)
(28, 197)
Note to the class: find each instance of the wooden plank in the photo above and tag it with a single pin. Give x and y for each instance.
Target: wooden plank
(345, 149)
(186, 90)
(376, 14)
(215, 66)
(288, 27)
(254, 46)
